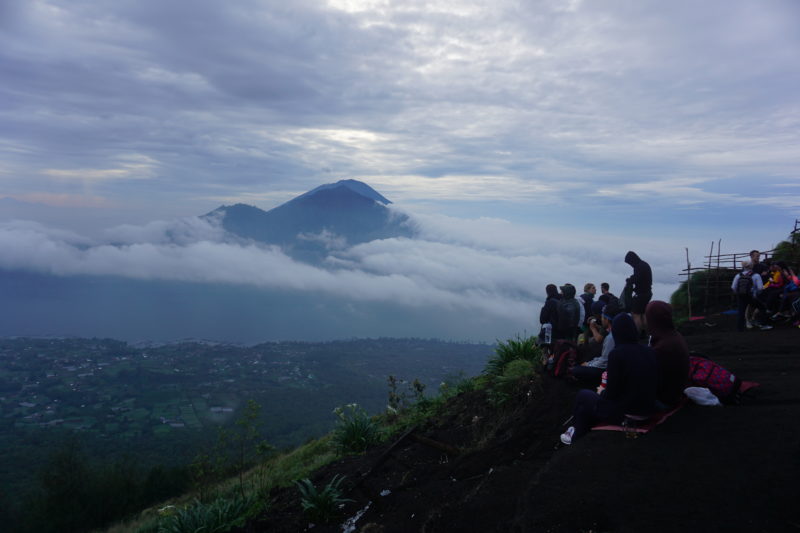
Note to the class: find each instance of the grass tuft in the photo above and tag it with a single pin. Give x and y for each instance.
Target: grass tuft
(321, 505)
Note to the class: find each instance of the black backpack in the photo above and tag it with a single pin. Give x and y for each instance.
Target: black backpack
(569, 316)
(745, 284)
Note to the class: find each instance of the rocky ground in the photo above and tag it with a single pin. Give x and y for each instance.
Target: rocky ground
(732, 468)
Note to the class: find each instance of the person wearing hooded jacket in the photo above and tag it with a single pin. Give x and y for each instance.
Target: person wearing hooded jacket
(642, 282)
(571, 314)
(631, 384)
(549, 312)
(672, 353)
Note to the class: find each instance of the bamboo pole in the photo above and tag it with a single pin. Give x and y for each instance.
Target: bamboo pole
(708, 276)
(689, 283)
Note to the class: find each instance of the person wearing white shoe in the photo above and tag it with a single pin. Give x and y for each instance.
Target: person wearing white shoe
(631, 388)
(746, 286)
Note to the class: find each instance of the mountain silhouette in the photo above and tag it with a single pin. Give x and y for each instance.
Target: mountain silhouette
(328, 217)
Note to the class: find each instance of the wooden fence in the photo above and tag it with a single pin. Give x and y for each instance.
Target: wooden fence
(720, 269)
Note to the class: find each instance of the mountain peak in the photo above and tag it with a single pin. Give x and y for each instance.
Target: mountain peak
(356, 186)
(348, 209)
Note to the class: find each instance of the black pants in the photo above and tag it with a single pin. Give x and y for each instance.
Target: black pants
(770, 297)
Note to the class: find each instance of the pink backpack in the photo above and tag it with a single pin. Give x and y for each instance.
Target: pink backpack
(706, 373)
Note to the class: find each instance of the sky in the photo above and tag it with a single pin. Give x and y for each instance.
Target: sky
(526, 139)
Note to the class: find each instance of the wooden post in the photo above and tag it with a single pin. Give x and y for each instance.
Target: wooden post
(709, 266)
(689, 283)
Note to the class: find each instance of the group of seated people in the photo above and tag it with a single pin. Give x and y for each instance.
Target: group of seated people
(766, 292)
(622, 376)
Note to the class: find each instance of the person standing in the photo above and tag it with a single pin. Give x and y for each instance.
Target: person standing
(747, 285)
(606, 295)
(758, 267)
(548, 316)
(570, 314)
(589, 290)
(642, 283)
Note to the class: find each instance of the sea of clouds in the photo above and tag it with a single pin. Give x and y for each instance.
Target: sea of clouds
(483, 265)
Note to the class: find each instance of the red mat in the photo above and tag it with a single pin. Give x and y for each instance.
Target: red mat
(747, 385)
(655, 420)
(660, 417)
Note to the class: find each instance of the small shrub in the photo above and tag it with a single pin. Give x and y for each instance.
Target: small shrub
(218, 516)
(511, 350)
(519, 375)
(355, 431)
(321, 506)
(455, 385)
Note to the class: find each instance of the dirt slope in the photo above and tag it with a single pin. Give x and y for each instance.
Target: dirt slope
(733, 468)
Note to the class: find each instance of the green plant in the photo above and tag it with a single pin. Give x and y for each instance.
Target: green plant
(511, 350)
(456, 384)
(789, 251)
(216, 517)
(246, 441)
(396, 400)
(321, 505)
(355, 431)
(519, 374)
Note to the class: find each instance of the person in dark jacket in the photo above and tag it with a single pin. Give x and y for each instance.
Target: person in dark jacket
(589, 290)
(642, 282)
(606, 294)
(570, 313)
(631, 384)
(549, 313)
(672, 353)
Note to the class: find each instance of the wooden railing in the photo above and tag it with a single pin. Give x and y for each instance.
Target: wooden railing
(721, 268)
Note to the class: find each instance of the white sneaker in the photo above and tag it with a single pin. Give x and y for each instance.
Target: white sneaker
(764, 327)
(748, 325)
(566, 437)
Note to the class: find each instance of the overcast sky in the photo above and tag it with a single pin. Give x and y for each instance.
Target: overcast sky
(643, 124)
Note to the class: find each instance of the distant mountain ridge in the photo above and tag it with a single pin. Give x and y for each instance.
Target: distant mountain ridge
(347, 212)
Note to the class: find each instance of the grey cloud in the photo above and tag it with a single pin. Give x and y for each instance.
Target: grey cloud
(216, 93)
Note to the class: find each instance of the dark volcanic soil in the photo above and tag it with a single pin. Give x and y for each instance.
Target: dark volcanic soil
(732, 468)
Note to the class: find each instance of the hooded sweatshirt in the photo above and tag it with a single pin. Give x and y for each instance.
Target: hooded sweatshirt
(562, 330)
(548, 314)
(632, 370)
(642, 278)
(672, 352)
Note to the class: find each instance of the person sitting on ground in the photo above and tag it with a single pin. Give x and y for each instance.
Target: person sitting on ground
(597, 317)
(672, 353)
(631, 385)
(642, 282)
(549, 313)
(589, 290)
(747, 286)
(590, 372)
(791, 291)
(589, 345)
(606, 295)
(570, 315)
(773, 288)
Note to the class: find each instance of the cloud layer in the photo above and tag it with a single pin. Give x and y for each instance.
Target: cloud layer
(486, 267)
